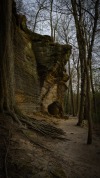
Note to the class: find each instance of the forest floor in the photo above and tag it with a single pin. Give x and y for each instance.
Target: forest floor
(45, 157)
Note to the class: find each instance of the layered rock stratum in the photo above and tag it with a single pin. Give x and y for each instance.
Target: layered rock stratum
(40, 73)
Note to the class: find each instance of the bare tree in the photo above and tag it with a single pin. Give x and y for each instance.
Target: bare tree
(51, 16)
(19, 6)
(41, 7)
(80, 16)
(71, 89)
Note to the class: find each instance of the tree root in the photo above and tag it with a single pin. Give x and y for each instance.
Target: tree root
(41, 127)
(34, 142)
(6, 154)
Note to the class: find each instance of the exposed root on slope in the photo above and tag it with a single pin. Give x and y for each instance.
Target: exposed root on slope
(43, 128)
(35, 142)
(38, 126)
(24, 125)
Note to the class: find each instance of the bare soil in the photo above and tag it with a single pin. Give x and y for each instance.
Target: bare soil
(38, 156)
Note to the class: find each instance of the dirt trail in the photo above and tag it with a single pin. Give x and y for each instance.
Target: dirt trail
(77, 158)
(45, 157)
(85, 159)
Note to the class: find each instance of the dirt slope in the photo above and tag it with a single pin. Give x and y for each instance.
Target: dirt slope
(44, 157)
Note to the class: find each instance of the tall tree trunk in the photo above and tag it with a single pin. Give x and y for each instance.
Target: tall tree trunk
(68, 101)
(88, 102)
(89, 140)
(82, 56)
(91, 43)
(84, 62)
(35, 22)
(51, 20)
(83, 92)
(71, 90)
(77, 99)
(93, 92)
(6, 57)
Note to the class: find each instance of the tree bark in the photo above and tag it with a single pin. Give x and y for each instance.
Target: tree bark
(51, 21)
(89, 140)
(91, 43)
(84, 62)
(82, 56)
(77, 99)
(6, 57)
(71, 90)
(93, 92)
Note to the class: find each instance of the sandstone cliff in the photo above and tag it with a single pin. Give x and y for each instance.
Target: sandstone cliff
(40, 74)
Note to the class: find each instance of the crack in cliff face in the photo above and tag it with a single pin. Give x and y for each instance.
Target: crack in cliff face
(39, 70)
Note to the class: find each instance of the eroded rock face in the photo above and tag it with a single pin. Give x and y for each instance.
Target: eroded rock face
(27, 84)
(51, 60)
(40, 75)
(55, 109)
(18, 19)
